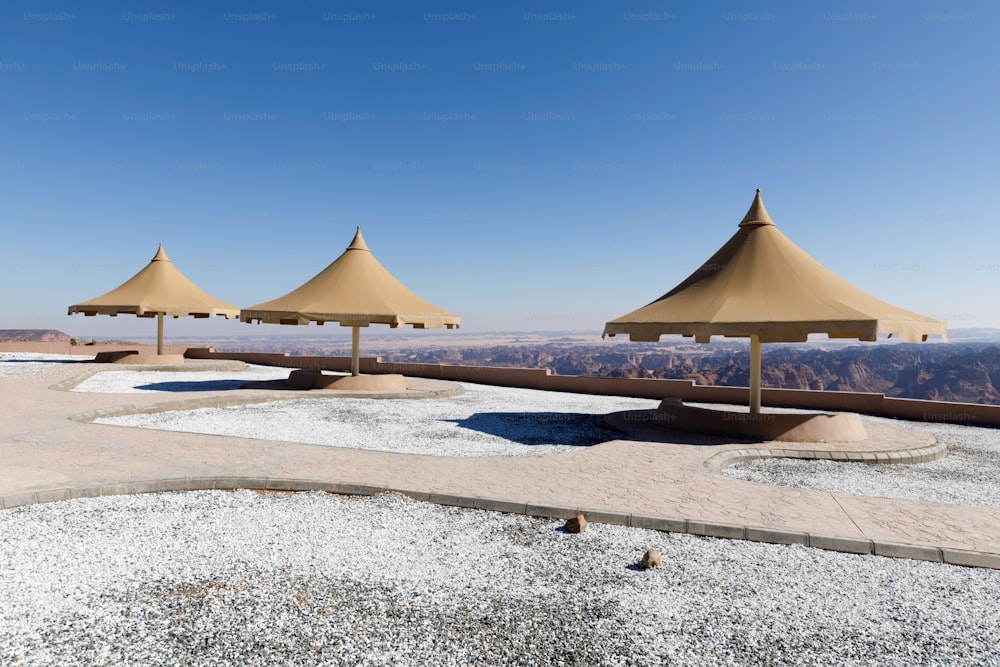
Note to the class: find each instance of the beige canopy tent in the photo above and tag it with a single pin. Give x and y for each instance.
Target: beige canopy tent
(159, 289)
(356, 291)
(762, 286)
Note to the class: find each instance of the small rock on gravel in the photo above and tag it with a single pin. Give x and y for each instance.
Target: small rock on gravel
(576, 524)
(650, 559)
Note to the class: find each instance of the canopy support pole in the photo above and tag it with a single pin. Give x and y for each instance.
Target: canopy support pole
(355, 344)
(159, 333)
(755, 374)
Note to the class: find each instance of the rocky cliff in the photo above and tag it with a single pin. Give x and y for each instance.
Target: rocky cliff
(32, 336)
(963, 372)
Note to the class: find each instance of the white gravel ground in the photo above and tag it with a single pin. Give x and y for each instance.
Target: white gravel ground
(210, 578)
(144, 382)
(483, 421)
(18, 364)
(214, 578)
(968, 475)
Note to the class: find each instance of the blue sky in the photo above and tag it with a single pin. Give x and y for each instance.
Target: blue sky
(526, 165)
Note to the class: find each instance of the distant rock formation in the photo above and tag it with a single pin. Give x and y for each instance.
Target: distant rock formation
(964, 372)
(961, 372)
(52, 336)
(33, 336)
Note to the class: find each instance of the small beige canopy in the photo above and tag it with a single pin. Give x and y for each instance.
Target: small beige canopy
(356, 291)
(159, 289)
(762, 286)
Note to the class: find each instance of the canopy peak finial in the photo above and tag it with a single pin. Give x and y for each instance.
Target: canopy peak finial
(358, 243)
(160, 255)
(757, 215)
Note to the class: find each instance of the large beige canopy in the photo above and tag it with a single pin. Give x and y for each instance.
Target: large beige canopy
(762, 286)
(158, 289)
(356, 291)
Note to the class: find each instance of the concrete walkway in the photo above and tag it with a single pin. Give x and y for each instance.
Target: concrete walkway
(48, 451)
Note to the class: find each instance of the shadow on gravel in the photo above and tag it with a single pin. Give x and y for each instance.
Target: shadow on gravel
(193, 385)
(540, 428)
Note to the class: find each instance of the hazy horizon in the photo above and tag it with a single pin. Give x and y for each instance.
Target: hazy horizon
(375, 334)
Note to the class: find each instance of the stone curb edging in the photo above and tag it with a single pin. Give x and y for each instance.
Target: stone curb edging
(962, 557)
(922, 454)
